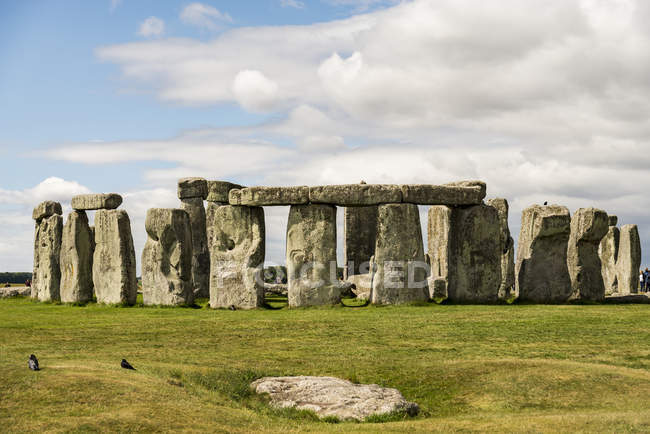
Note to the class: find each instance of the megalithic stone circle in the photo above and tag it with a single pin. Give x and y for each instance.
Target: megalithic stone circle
(167, 258)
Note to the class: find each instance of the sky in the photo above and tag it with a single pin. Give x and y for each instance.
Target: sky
(543, 100)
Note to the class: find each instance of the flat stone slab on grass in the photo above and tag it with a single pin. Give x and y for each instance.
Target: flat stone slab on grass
(15, 291)
(88, 202)
(333, 397)
(355, 194)
(269, 196)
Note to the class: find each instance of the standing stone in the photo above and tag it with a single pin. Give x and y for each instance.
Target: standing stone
(507, 249)
(77, 248)
(167, 259)
(588, 227)
(401, 272)
(114, 275)
(359, 237)
(311, 256)
(236, 240)
(46, 278)
(466, 249)
(629, 260)
(192, 192)
(608, 253)
(541, 271)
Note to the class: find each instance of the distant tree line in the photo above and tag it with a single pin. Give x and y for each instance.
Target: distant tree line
(15, 277)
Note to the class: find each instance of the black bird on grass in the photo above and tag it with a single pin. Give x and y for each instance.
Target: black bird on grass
(232, 307)
(545, 203)
(126, 365)
(33, 363)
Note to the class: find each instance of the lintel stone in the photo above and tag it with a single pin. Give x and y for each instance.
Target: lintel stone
(218, 191)
(46, 209)
(192, 187)
(355, 194)
(84, 202)
(269, 196)
(462, 193)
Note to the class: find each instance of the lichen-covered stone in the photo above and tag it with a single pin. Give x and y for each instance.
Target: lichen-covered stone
(455, 194)
(359, 236)
(629, 260)
(355, 194)
(46, 209)
(588, 227)
(362, 285)
(541, 271)
(114, 275)
(269, 196)
(192, 187)
(608, 253)
(200, 253)
(311, 256)
(77, 249)
(333, 397)
(96, 201)
(401, 271)
(507, 248)
(167, 258)
(612, 220)
(46, 278)
(465, 248)
(236, 241)
(218, 191)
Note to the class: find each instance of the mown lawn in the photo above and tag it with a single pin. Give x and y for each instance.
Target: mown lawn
(470, 368)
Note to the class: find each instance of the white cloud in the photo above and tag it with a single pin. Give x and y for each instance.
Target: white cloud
(204, 16)
(152, 26)
(292, 4)
(254, 91)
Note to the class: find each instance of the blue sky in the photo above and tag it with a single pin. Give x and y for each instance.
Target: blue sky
(545, 101)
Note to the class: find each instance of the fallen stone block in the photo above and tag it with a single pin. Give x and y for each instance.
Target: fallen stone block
(46, 209)
(15, 291)
(588, 227)
(455, 194)
(77, 249)
(167, 258)
(192, 187)
(355, 194)
(200, 253)
(114, 275)
(401, 271)
(218, 191)
(236, 242)
(362, 285)
(629, 260)
(541, 271)
(333, 397)
(96, 201)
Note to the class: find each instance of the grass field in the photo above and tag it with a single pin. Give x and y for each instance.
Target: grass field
(470, 368)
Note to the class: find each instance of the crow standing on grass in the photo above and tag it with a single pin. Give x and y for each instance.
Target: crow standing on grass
(33, 363)
(126, 365)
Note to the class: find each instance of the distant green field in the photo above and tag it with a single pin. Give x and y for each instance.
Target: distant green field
(470, 368)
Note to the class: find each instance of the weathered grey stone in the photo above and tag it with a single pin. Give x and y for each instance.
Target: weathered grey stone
(192, 187)
(541, 270)
(588, 227)
(114, 275)
(46, 278)
(359, 236)
(456, 194)
(46, 209)
(200, 255)
(269, 196)
(236, 241)
(77, 248)
(438, 289)
(276, 288)
(465, 247)
(218, 191)
(311, 256)
(355, 194)
(167, 258)
(362, 285)
(507, 248)
(608, 253)
(333, 397)
(612, 220)
(15, 291)
(401, 272)
(629, 260)
(96, 201)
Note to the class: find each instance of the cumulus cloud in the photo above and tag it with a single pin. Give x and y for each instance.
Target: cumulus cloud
(152, 26)
(254, 91)
(204, 16)
(292, 4)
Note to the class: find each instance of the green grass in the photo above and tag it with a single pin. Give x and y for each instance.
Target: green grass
(470, 368)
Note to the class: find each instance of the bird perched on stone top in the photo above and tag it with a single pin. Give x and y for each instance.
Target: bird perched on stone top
(126, 365)
(545, 203)
(33, 363)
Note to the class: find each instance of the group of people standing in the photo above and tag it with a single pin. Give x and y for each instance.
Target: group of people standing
(644, 280)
